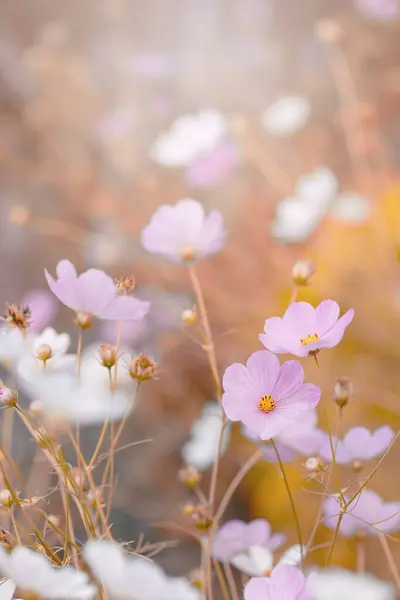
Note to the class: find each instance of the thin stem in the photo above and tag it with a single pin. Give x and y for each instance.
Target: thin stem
(221, 580)
(360, 556)
(79, 354)
(231, 581)
(208, 569)
(390, 560)
(293, 296)
(335, 536)
(99, 444)
(295, 516)
(117, 349)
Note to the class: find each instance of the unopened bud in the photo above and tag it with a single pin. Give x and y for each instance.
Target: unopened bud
(8, 397)
(6, 498)
(189, 316)
(357, 466)
(189, 476)
(84, 320)
(329, 31)
(124, 286)
(302, 272)
(107, 355)
(314, 464)
(36, 408)
(342, 391)
(44, 352)
(142, 368)
(202, 522)
(54, 520)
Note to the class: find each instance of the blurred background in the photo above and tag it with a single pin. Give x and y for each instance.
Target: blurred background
(88, 94)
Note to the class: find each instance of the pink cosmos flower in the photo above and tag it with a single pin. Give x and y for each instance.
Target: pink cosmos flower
(210, 169)
(285, 583)
(236, 536)
(368, 513)
(183, 233)
(304, 330)
(357, 444)
(380, 10)
(93, 293)
(43, 308)
(266, 397)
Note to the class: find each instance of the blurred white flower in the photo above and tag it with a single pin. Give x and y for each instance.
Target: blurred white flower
(335, 583)
(7, 589)
(351, 208)
(12, 345)
(201, 449)
(286, 116)
(58, 342)
(298, 217)
(133, 577)
(189, 137)
(33, 575)
(259, 561)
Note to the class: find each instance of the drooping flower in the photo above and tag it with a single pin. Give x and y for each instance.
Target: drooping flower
(93, 294)
(286, 116)
(335, 583)
(357, 444)
(209, 170)
(33, 574)
(183, 233)
(201, 449)
(367, 513)
(235, 537)
(285, 583)
(304, 330)
(133, 578)
(266, 397)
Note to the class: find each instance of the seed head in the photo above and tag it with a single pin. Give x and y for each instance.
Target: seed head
(8, 397)
(302, 272)
(343, 390)
(142, 368)
(124, 286)
(18, 316)
(107, 355)
(44, 352)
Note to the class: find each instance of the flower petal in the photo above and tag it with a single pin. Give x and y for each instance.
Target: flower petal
(96, 291)
(278, 339)
(290, 379)
(263, 368)
(127, 308)
(300, 319)
(327, 314)
(335, 334)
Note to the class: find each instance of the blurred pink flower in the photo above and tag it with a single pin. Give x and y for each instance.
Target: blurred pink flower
(380, 10)
(367, 513)
(285, 583)
(304, 330)
(237, 536)
(358, 444)
(93, 293)
(43, 308)
(183, 233)
(266, 397)
(211, 169)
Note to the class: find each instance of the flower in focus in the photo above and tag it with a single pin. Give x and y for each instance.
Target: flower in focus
(142, 368)
(335, 583)
(33, 574)
(93, 294)
(189, 137)
(304, 330)
(183, 233)
(133, 578)
(201, 449)
(378, 10)
(357, 444)
(266, 397)
(286, 116)
(236, 536)
(285, 582)
(209, 170)
(367, 513)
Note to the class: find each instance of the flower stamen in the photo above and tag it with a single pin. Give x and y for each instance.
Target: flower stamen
(266, 404)
(312, 337)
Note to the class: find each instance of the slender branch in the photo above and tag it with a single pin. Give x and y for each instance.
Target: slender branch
(335, 536)
(390, 560)
(231, 581)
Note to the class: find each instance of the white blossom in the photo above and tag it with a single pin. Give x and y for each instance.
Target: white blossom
(335, 583)
(286, 116)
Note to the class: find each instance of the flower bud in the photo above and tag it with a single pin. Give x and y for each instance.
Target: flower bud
(95, 498)
(202, 522)
(189, 476)
(124, 286)
(36, 409)
(357, 466)
(329, 31)
(342, 391)
(84, 320)
(189, 316)
(107, 355)
(6, 498)
(53, 520)
(302, 272)
(8, 397)
(142, 368)
(188, 509)
(314, 464)
(44, 352)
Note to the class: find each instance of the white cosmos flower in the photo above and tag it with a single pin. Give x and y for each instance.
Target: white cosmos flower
(351, 208)
(7, 589)
(336, 583)
(201, 449)
(12, 345)
(32, 573)
(133, 577)
(286, 116)
(188, 137)
(259, 561)
(58, 342)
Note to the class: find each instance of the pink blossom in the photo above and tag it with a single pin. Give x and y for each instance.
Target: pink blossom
(236, 536)
(266, 397)
(358, 444)
(285, 583)
(183, 232)
(43, 308)
(304, 330)
(93, 293)
(368, 513)
(380, 10)
(210, 169)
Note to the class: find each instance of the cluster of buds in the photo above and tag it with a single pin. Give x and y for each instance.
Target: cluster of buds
(302, 272)
(17, 316)
(84, 320)
(107, 355)
(189, 316)
(189, 476)
(124, 286)
(342, 391)
(142, 368)
(44, 352)
(8, 397)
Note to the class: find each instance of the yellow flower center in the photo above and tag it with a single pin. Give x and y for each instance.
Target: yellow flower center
(188, 253)
(312, 337)
(266, 404)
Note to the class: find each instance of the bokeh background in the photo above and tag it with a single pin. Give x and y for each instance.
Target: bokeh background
(86, 88)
